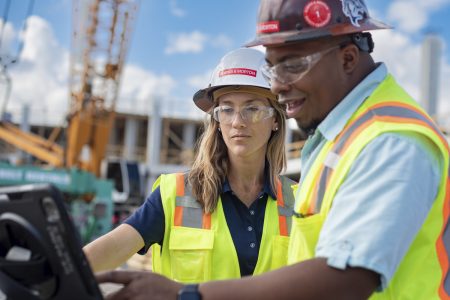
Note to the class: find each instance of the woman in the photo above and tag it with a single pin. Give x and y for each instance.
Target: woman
(229, 216)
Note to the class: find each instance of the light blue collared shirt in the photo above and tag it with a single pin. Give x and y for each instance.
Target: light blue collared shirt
(386, 196)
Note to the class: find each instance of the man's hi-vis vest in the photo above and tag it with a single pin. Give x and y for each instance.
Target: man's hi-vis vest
(198, 247)
(423, 272)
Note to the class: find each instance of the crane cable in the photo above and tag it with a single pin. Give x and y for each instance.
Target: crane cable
(4, 63)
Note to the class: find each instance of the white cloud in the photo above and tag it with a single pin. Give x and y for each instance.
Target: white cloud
(222, 41)
(411, 16)
(186, 43)
(40, 77)
(403, 58)
(41, 80)
(7, 39)
(176, 10)
(195, 42)
(140, 87)
(200, 81)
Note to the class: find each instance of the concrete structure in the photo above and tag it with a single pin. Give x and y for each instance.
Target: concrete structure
(431, 61)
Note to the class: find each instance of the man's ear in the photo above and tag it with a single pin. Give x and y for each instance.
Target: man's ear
(350, 56)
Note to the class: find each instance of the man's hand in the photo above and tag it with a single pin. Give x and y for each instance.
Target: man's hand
(140, 285)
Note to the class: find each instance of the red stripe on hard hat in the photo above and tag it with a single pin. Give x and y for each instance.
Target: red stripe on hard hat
(238, 71)
(268, 27)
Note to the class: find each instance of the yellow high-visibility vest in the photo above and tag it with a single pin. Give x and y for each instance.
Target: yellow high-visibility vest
(423, 272)
(198, 247)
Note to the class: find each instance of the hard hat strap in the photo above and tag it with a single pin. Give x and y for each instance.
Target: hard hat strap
(364, 41)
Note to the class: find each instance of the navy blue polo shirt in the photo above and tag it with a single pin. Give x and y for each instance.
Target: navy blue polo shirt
(245, 223)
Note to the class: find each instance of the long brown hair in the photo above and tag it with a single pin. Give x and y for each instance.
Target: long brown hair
(211, 163)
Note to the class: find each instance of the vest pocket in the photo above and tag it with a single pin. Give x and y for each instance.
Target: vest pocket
(190, 254)
(304, 236)
(280, 246)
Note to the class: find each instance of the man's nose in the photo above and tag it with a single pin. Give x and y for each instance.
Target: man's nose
(277, 87)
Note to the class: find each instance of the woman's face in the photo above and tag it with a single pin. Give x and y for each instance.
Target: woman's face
(246, 122)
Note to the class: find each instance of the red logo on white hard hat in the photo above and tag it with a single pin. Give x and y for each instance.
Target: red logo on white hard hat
(317, 13)
(268, 27)
(237, 71)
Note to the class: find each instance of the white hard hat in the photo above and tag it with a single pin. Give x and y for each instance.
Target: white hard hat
(239, 70)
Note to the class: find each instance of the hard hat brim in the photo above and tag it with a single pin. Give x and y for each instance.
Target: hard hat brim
(311, 34)
(204, 98)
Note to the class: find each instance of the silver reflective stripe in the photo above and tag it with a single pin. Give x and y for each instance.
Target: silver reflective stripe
(321, 188)
(192, 210)
(187, 201)
(289, 200)
(332, 160)
(192, 217)
(285, 211)
(384, 111)
(187, 187)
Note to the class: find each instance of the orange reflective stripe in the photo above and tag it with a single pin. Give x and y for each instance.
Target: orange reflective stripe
(188, 212)
(178, 216)
(282, 223)
(206, 221)
(440, 246)
(356, 133)
(376, 113)
(312, 204)
(390, 120)
(280, 199)
(398, 104)
(178, 213)
(180, 184)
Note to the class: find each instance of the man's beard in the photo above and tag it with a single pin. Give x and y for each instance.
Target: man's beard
(308, 129)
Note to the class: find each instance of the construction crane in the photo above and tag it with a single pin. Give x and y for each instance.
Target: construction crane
(100, 40)
(99, 48)
(101, 36)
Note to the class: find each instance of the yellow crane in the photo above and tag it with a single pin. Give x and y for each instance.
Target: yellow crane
(101, 34)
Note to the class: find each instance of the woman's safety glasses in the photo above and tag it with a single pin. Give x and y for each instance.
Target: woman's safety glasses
(253, 113)
(293, 69)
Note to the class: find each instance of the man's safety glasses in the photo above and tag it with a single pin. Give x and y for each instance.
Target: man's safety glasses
(253, 113)
(293, 69)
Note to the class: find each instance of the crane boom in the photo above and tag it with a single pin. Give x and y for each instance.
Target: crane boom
(101, 34)
(99, 46)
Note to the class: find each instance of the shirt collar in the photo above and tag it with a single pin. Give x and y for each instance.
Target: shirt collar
(335, 121)
(266, 188)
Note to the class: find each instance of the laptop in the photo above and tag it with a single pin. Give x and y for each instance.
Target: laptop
(41, 255)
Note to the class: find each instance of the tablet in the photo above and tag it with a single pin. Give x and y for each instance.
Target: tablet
(41, 253)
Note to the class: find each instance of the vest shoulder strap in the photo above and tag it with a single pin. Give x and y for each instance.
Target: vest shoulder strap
(188, 211)
(285, 203)
(396, 113)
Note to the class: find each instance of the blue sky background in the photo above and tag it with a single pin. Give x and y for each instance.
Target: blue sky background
(177, 43)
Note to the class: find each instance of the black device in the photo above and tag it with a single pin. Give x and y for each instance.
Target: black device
(189, 292)
(41, 255)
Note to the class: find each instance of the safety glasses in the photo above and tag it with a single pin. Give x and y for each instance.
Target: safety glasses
(293, 69)
(225, 114)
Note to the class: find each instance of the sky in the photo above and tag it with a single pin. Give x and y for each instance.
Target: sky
(176, 44)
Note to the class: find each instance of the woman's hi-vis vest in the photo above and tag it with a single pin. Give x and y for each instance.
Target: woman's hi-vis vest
(198, 247)
(423, 272)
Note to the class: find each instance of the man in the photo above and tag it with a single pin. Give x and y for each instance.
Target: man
(372, 207)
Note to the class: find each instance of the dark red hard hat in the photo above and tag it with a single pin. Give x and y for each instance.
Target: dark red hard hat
(285, 21)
